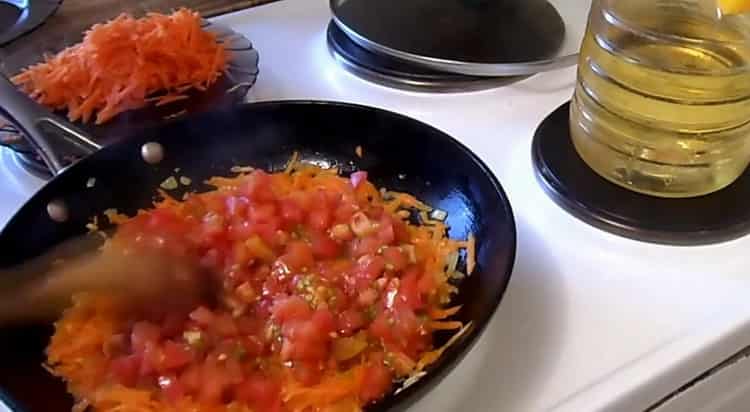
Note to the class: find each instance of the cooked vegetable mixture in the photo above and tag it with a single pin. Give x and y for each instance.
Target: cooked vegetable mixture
(326, 298)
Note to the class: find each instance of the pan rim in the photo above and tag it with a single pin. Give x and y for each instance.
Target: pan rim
(454, 354)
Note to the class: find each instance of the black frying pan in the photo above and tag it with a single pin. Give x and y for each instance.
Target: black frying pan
(398, 152)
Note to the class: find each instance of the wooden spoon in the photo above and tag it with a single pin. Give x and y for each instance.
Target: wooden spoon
(40, 289)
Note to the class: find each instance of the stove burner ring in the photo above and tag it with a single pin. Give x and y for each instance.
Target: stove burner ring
(574, 186)
(383, 70)
(32, 164)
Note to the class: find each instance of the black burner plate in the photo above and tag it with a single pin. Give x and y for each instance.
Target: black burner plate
(713, 218)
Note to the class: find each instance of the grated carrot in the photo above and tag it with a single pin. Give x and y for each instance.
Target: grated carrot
(471, 254)
(438, 314)
(125, 64)
(444, 325)
(330, 390)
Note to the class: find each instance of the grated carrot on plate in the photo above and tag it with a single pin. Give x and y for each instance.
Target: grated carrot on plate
(123, 64)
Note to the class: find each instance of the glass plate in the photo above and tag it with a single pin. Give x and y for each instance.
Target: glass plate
(231, 89)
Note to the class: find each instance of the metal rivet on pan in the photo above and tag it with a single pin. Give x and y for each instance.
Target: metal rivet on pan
(152, 152)
(58, 211)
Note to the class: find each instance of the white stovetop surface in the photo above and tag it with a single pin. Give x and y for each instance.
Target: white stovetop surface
(590, 321)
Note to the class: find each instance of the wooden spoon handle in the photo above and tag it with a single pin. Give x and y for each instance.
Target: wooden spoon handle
(147, 279)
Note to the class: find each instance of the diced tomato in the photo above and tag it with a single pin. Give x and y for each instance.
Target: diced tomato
(406, 330)
(370, 267)
(365, 246)
(240, 254)
(211, 234)
(377, 381)
(319, 219)
(281, 238)
(375, 212)
(307, 373)
(303, 343)
(233, 370)
(237, 205)
(191, 379)
(323, 247)
(308, 340)
(241, 229)
(382, 327)
(125, 370)
(166, 221)
(143, 334)
(224, 325)
(203, 316)
(367, 297)
(274, 286)
(214, 381)
(408, 291)
(292, 308)
(333, 198)
(298, 255)
(175, 355)
(395, 258)
(321, 198)
(301, 198)
(350, 321)
(267, 230)
(152, 359)
(249, 325)
(257, 248)
(324, 322)
(215, 202)
(171, 387)
(259, 392)
(262, 212)
(257, 186)
(212, 391)
(386, 234)
(291, 212)
(334, 270)
(288, 350)
(344, 212)
(400, 231)
(254, 346)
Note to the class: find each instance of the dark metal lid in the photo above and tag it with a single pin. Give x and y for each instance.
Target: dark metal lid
(390, 72)
(572, 184)
(470, 37)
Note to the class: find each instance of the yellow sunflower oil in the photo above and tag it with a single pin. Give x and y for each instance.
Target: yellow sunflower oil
(662, 102)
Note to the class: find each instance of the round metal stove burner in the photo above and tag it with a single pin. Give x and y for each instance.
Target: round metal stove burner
(389, 72)
(18, 17)
(32, 164)
(573, 185)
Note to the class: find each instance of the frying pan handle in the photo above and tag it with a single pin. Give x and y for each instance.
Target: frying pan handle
(43, 129)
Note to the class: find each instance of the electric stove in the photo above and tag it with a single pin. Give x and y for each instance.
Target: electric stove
(591, 321)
